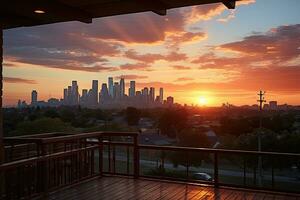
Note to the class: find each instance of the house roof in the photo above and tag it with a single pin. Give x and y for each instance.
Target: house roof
(18, 13)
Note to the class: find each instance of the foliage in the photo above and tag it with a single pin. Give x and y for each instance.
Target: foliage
(173, 121)
(133, 116)
(42, 125)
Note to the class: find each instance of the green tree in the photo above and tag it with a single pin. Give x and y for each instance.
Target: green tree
(173, 121)
(42, 125)
(133, 116)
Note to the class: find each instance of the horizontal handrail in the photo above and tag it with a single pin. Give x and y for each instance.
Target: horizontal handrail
(210, 150)
(65, 136)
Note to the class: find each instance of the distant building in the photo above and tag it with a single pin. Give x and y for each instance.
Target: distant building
(122, 87)
(84, 97)
(65, 99)
(74, 93)
(161, 95)
(273, 105)
(145, 92)
(34, 97)
(69, 95)
(116, 90)
(152, 94)
(53, 102)
(111, 86)
(170, 101)
(132, 89)
(94, 92)
(104, 96)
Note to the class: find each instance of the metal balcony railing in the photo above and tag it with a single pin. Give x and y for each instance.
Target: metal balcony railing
(37, 165)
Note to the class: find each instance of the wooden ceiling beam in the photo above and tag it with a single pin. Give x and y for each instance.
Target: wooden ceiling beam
(230, 4)
(54, 10)
(156, 6)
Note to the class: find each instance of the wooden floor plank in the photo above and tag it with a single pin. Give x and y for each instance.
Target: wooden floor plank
(120, 188)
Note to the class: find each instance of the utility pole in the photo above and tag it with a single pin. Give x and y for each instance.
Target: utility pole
(261, 100)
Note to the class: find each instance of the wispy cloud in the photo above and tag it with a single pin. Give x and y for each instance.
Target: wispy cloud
(184, 79)
(131, 77)
(18, 80)
(180, 67)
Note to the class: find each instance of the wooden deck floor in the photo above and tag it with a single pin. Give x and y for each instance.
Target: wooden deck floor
(113, 188)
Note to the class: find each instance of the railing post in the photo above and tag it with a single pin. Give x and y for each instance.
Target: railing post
(216, 169)
(136, 157)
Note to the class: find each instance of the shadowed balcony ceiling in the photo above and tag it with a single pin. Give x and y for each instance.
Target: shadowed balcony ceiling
(18, 13)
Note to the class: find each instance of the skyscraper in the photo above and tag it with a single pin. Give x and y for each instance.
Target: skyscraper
(104, 96)
(161, 95)
(94, 92)
(90, 98)
(34, 97)
(111, 86)
(75, 94)
(69, 95)
(145, 91)
(84, 97)
(122, 87)
(116, 90)
(152, 94)
(65, 96)
(132, 89)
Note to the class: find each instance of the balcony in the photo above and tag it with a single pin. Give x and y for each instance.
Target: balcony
(109, 165)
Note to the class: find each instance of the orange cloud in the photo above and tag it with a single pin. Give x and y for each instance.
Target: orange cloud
(136, 66)
(18, 80)
(184, 79)
(131, 77)
(150, 58)
(180, 67)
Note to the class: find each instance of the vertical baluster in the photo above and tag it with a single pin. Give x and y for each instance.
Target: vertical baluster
(109, 158)
(78, 160)
(92, 161)
(100, 143)
(244, 160)
(128, 159)
(254, 176)
(136, 158)
(114, 159)
(216, 169)
(187, 165)
(273, 181)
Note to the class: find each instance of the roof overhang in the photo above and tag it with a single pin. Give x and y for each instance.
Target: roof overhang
(19, 13)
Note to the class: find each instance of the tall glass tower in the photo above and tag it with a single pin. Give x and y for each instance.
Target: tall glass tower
(111, 86)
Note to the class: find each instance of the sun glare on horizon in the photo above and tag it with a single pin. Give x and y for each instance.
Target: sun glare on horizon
(203, 101)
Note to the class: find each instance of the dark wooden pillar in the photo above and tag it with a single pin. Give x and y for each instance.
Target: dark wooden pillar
(1, 87)
(2, 181)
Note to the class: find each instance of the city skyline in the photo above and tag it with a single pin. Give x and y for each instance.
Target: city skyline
(198, 54)
(112, 94)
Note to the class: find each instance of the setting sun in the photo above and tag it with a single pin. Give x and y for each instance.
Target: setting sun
(202, 101)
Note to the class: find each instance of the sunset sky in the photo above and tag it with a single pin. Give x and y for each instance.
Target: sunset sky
(202, 54)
